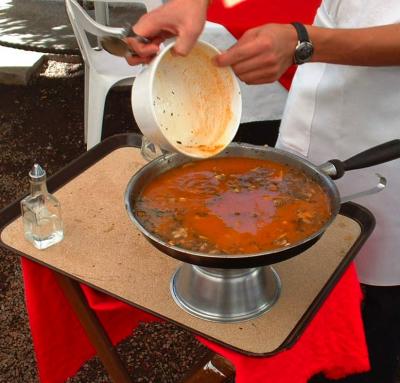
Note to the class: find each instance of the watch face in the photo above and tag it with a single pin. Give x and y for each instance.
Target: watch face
(304, 51)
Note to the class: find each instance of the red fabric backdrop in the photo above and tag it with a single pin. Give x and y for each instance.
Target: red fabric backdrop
(333, 343)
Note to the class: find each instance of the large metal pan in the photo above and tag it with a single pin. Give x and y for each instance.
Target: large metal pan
(323, 174)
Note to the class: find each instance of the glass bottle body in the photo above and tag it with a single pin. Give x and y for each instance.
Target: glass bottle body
(41, 215)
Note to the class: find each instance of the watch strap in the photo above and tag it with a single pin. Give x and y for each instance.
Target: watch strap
(301, 31)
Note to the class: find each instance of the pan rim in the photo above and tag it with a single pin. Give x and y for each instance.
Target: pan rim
(203, 257)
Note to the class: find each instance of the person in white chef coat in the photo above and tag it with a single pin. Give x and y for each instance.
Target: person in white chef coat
(345, 98)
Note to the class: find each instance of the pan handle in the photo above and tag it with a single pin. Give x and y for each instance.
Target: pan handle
(377, 155)
(379, 187)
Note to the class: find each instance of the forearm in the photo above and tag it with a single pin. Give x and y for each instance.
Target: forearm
(375, 46)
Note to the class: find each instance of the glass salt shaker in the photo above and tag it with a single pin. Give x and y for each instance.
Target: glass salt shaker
(41, 212)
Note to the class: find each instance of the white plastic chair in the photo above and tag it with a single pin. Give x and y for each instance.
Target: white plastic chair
(102, 70)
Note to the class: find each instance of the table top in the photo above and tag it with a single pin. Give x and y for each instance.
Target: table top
(103, 249)
(44, 26)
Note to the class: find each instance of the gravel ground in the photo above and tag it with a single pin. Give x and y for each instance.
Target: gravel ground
(153, 354)
(29, 131)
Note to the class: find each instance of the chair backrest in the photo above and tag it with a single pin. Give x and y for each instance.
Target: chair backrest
(82, 23)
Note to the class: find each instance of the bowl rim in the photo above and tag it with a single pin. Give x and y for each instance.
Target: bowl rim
(153, 66)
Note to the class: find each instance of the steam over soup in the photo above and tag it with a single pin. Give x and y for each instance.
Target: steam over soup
(232, 205)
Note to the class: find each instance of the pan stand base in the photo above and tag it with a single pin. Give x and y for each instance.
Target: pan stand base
(225, 295)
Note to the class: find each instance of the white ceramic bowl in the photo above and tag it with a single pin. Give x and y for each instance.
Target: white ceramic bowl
(187, 104)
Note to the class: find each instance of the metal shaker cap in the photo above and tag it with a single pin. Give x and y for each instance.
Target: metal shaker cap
(37, 173)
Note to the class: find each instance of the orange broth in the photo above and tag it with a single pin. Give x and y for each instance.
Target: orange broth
(233, 205)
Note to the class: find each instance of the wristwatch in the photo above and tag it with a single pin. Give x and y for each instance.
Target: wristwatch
(304, 48)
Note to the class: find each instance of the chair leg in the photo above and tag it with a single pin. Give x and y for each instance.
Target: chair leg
(86, 102)
(101, 15)
(97, 94)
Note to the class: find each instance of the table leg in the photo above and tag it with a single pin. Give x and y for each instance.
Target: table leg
(94, 330)
(213, 369)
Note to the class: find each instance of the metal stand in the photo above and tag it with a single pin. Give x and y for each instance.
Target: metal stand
(225, 295)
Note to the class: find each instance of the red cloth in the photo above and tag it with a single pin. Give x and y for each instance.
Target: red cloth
(333, 342)
(60, 343)
(251, 13)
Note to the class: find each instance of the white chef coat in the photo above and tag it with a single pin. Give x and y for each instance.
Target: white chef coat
(336, 111)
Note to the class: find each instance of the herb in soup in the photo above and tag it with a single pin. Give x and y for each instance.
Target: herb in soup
(233, 205)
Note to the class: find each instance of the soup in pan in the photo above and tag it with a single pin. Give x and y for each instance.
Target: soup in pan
(232, 205)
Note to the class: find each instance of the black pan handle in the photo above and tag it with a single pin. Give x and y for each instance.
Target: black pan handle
(377, 155)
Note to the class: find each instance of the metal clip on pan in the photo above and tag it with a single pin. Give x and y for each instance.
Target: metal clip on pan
(378, 154)
(379, 187)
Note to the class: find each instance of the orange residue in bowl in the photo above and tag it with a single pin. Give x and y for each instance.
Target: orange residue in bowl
(193, 102)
